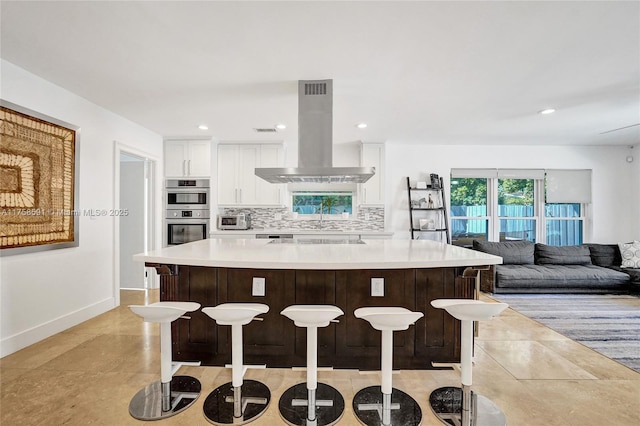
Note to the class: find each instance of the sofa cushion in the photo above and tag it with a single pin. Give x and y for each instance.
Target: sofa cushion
(606, 255)
(635, 277)
(558, 276)
(633, 273)
(630, 253)
(562, 255)
(512, 252)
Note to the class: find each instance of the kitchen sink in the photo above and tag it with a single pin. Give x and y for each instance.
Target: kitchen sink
(316, 241)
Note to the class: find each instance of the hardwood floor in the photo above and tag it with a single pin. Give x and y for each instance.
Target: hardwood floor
(88, 374)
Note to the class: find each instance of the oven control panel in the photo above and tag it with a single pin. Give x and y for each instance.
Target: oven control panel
(187, 214)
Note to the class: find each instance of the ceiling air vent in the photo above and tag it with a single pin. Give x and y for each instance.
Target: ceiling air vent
(315, 89)
(265, 129)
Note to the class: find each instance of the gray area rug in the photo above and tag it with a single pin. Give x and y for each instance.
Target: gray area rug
(608, 324)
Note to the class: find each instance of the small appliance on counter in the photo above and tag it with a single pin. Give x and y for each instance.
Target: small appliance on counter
(234, 221)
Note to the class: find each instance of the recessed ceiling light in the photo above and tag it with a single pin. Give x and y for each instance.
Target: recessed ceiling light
(203, 127)
(361, 125)
(547, 111)
(281, 126)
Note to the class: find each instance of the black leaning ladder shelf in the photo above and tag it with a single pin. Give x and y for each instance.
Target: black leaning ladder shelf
(435, 213)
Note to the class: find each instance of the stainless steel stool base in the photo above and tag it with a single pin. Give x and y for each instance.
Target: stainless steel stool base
(219, 405)
(446, 404)
(147, 403)
(367, 406)
(325, 414)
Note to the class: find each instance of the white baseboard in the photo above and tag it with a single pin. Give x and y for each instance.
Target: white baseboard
(21, 340)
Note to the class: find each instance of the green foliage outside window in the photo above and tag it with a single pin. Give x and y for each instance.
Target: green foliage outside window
(468, 192)
(515, 192)
(473, 192)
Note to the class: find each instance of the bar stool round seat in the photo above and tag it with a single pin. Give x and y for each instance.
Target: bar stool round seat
(462, 406)
(311, 403)
(239, 401)
(172, 394)
(385, 405)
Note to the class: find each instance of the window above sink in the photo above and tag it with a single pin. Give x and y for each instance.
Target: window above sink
(312, 201)
(311, 204)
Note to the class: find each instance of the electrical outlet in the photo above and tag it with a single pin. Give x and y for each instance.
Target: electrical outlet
(366, 216)
(377, 287)
(259, 287)
(278, 216)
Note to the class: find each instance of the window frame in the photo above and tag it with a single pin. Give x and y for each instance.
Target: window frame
(322, 192)
(492, 177)
(496, 218)
(489, 213)
(583, 218)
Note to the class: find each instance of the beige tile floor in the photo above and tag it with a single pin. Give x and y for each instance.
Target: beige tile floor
(88, 374)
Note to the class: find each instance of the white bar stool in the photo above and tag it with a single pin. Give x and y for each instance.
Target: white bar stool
(172, 394)
(462, 406)
(239, 401)
(311, 403)
(385, 405)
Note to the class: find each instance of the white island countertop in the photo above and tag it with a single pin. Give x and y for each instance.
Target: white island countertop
(306, 254)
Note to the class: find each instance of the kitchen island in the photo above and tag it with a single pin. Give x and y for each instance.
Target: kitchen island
(317, 271)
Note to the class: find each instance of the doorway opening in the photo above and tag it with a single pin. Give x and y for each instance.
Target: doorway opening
(135, 210)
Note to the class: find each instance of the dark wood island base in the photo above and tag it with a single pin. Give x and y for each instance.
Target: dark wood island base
(349, 344)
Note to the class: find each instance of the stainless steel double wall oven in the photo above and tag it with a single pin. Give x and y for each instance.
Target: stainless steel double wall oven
(187, 211)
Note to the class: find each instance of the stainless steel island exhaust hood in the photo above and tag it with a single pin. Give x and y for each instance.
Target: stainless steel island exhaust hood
(315, 142)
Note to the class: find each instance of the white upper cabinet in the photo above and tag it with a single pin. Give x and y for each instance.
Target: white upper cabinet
(237, 183)
(227, 174)
(372, 191)
(248, 160)
(187, 158)
(271, 193)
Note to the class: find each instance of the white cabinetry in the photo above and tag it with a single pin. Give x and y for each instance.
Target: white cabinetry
(270, 193)
(237, 183)
(187, 158)
(227, 174)
(372, 191)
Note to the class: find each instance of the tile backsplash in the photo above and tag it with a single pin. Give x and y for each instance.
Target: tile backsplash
(266, 218)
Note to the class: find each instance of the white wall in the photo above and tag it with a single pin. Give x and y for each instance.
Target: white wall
(47, 292)
(616, 183)
(615, 210)
(635, 181)
(132, 226)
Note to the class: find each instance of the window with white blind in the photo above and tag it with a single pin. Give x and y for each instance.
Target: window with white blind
(510, 204)
(568, 193)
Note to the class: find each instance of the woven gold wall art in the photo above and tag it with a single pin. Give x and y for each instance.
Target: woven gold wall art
(37, 182)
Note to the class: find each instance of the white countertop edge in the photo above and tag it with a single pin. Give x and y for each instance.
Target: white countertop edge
(305, 265)
(376, 254)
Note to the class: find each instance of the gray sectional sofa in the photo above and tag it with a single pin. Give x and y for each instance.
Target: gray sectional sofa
(539, 268)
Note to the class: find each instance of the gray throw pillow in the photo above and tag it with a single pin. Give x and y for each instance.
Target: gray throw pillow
(512, 252)
(562, 255)
(605, 255)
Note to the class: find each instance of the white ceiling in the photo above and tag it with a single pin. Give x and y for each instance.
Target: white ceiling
(419, 72)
